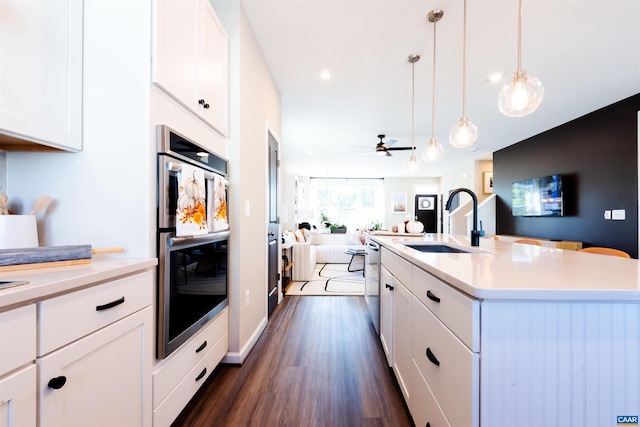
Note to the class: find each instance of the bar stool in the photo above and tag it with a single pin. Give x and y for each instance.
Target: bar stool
(606, 251)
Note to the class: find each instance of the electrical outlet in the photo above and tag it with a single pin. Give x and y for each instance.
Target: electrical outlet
(246, 297)
(618, 214)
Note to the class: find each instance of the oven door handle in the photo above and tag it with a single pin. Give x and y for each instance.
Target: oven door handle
(187, 240)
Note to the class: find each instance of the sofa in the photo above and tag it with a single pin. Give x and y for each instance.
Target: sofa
(311, 247)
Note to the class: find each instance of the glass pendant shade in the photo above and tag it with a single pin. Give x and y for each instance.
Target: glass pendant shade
(521, 96)
(433, 152)
(412, 164)
(463, 134)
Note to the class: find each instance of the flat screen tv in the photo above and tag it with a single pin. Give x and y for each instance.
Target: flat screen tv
(537, 197)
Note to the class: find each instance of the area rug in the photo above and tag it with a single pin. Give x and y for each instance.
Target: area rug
(330, 279)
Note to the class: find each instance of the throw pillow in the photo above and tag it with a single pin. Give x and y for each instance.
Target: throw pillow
(289, 237)
(299, 236)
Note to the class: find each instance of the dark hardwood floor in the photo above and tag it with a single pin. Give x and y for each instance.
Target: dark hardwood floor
(318, 363)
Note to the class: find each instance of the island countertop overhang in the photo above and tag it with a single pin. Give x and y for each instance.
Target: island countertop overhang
(505, 271)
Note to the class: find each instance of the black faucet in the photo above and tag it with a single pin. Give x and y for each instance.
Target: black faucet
(475, 233)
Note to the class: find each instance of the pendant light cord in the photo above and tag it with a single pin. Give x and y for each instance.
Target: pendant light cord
(433, 93)
(413, 64)
(464, 57)
(519, 35)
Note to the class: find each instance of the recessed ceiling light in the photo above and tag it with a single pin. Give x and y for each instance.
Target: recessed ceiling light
(495, 77)
(325, 74)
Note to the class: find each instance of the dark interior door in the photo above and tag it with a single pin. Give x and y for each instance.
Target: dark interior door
(426, 211)
(272, 227)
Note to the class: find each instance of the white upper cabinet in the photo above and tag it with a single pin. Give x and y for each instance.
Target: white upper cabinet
(41, 74)
(191, 59)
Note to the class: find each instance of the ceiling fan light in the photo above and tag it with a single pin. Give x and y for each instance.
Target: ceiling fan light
(433, 152)
(521, 96)
(463, 134)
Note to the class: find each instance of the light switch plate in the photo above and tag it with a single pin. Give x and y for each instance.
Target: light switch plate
(607, 214)
(618, 214)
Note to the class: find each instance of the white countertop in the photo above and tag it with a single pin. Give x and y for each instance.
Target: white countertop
(502, 270)
(48, 282)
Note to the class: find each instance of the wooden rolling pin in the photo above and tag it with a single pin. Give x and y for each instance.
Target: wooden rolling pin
(49, 256)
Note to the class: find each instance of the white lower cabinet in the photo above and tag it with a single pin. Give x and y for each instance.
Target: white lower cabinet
(435, 332)
(17, 369)
(102, 379)
(180, 375)
(402, 339)
(95, 349)
(18, 398)
(425, 409)
(387, 285)
(449, 368)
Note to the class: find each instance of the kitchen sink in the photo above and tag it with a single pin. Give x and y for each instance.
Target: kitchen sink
(436, 248)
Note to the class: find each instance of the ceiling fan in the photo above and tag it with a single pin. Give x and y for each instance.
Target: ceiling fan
(383, 149)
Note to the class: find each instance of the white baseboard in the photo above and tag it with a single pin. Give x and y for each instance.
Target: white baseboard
(238, 357)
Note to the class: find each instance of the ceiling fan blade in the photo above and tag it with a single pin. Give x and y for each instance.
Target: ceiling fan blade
(398, 148)
(390, 142)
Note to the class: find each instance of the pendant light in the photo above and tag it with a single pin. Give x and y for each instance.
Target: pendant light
(433, 152)
(412, 164)
(523, 94)
(463, 134)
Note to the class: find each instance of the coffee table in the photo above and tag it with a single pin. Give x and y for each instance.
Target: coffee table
(357, 259)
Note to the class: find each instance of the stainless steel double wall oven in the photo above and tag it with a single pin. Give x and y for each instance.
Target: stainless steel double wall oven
(192, 269)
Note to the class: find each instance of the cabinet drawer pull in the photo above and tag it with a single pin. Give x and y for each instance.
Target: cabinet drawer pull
(388, 286)
(57, 382)
(432, 296)
(203, 103)
(199, 349)
(110, 304)
(202, 374)
(432, 358)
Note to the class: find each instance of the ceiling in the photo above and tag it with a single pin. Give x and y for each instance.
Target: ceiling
(585, 52)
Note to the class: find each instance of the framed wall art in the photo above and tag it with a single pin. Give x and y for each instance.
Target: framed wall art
(399, 203)
(487, 181)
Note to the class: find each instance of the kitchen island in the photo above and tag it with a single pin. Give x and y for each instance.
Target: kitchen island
(510, 334)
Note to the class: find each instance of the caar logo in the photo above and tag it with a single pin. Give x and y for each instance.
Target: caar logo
(627, 420)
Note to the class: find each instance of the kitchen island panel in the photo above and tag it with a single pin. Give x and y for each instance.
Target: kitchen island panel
(559, 364)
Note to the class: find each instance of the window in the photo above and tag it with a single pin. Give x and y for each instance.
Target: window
(354, 202)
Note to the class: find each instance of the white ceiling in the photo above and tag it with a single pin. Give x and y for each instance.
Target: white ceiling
(585, 52)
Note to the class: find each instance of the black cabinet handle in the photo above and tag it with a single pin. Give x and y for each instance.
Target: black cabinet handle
(432, 358)
(203, 103)
(199, 349)
(110, 304)
(57, 382)
(388, 286)
(432, 296)
(202, 374)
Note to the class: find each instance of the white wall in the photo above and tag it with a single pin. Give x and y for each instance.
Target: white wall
(105, 194)
(255, 102)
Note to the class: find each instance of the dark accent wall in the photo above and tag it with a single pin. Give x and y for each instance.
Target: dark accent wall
(597, 154)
